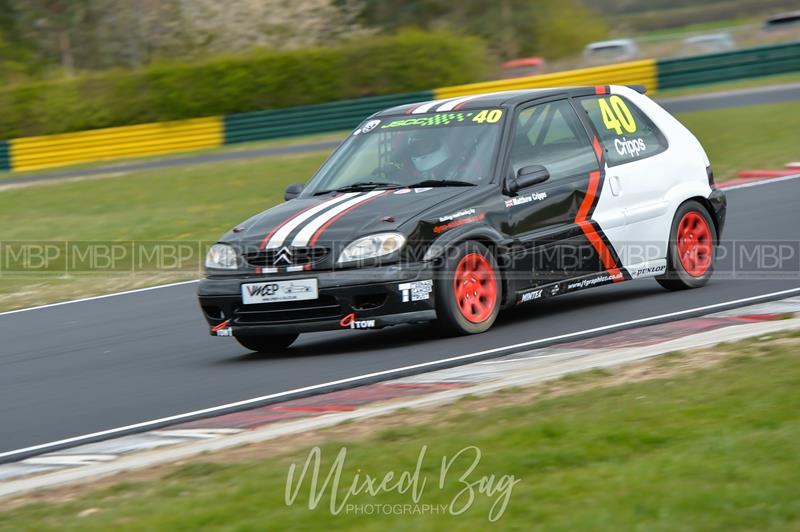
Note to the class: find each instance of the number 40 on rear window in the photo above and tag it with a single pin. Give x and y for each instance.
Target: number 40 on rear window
(616, 115)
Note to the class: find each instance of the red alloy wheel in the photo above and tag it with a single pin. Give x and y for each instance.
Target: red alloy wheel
(475, 287)
(695, 244)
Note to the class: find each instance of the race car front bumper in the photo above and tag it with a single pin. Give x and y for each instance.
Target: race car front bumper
(365, 298)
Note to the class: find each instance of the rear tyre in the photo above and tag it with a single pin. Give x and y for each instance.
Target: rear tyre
(692, 248)
(468, 290)
(262, 343)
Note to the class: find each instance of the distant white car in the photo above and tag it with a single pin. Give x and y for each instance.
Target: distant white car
(709, 43)
(611, 51)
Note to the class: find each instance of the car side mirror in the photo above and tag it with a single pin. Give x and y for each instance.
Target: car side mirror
(293, 190)
(527, 176)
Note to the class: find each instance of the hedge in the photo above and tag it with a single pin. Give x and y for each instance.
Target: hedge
(375, 65)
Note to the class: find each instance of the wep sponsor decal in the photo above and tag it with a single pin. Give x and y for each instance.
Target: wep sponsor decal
(264, 289)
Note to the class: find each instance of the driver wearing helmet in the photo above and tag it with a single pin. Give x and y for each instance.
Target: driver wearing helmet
(421, 155)
(430, 154)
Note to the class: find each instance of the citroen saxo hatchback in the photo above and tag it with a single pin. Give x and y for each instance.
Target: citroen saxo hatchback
(452, 209)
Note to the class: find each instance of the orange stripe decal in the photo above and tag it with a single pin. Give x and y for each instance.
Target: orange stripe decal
(598, 150)
(605, 255)
(588, 229)
(588, 200)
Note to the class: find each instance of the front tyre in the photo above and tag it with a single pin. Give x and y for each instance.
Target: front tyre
(468, 290)
(692, 247)
(262, 343)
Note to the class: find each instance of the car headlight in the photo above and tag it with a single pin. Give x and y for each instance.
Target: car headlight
(372, 247)
(221, 257)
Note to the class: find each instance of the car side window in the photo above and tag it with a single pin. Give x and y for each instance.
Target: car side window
(625, 132)
(551, 135)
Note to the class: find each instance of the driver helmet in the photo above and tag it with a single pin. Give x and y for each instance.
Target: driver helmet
(426, 150)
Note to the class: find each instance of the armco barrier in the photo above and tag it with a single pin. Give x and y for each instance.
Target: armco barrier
(726, 66)
(5, 158)
(32, 153)
(633, 73)
(310, 119)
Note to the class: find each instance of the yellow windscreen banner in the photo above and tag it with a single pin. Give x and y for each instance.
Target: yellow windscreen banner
(634, 73)
(33, 153)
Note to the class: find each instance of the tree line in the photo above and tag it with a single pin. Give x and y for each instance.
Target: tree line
(54, 38)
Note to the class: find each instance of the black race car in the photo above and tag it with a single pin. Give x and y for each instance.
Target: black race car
(453, 209)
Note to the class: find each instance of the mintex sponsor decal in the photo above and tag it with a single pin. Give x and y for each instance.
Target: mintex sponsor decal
(593, 281)
(521, 200)
(531, 296)
(459, 214)
(416, 290)
(461, 221)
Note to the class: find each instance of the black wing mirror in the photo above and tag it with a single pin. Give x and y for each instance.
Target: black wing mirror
(527, 176)
(293, 190)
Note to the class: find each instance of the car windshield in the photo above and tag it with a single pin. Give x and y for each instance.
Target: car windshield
(453, 148)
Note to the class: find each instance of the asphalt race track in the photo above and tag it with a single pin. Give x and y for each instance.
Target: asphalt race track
(89, 366)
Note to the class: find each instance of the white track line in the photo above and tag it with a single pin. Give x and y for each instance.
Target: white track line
(762, 182)
(136, 291)
(724, 189)
(389, 372)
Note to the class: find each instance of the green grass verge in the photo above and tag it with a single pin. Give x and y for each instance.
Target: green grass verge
(184, 203)
(201, 202)
(740, 138)
(190, 203)
(715, 449)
